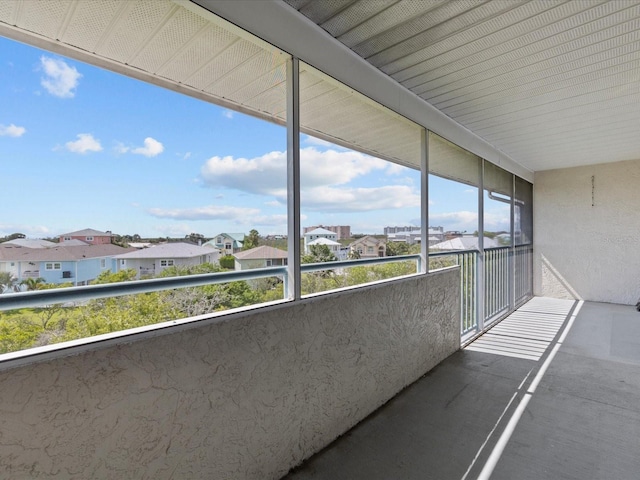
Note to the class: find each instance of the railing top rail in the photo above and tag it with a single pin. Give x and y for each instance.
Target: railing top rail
(444, 253)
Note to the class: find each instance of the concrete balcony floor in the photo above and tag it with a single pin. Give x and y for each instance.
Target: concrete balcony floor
(574, 413)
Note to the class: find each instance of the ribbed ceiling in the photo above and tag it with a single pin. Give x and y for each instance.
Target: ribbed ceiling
(550, 83)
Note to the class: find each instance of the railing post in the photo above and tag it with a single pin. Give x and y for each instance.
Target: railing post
(424, 202)
(480, 284)
(292, 283)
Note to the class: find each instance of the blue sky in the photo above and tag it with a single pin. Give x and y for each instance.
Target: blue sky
(81, 147)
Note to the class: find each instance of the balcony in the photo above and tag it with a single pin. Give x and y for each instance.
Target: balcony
(498, 413)
(539, 89)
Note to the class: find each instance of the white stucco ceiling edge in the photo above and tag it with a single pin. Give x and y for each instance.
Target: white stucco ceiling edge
(282, 26)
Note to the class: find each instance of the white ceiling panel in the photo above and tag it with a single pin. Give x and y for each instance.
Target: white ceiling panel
(549, 83)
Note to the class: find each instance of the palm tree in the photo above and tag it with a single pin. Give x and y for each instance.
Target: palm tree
(8, 282)
(33, 283)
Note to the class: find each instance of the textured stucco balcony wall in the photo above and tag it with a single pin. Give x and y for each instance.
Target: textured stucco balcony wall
(586, 224)
(247, 397)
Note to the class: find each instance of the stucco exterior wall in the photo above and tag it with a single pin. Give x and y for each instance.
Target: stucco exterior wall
(586, 230)
(246, 397)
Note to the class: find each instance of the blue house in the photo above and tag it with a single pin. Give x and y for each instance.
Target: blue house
(77, 264)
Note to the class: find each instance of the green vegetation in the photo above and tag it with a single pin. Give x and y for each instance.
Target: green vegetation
(227, 262)
(251, 241)
(315, 282)
(26, 328)
(32, 327)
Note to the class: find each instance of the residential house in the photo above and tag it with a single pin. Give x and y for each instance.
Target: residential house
(149, 262)
(342, 231)
(468, 242)
(227, 243)
(88, 235)
(321, 233)
(368, 247)
(77, 264)
(30, 243)
(413, 234)
(260, 257)
(334, 247)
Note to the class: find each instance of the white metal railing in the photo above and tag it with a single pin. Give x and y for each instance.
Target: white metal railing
(523, 279)
(507, 281)
(496, 283)
(468, 262)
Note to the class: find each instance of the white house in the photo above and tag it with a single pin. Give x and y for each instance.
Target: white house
(321, 233)
(368, 247)
(153, 260)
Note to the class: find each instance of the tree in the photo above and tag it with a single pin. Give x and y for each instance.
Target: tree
(228, 262)
(12, 236)
(8, 282)
(318, 254)
(196, 238)
(33, 283)
(251, 241)
(110, 277)
(401, 248)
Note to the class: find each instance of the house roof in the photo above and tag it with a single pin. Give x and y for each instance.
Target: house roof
(320, 231)
(464, 243)
(368, 239)
(168, 250)
(87, 232)
(74, 242)
(260, 253)
(324, 241)
(59, 253)
(30, 243)
(238, 237)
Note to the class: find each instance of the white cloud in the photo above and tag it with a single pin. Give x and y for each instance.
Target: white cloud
(266, 174)
(85, 143)
(121, 148)
(209, 212)
(12, 130)
(331, 199)
(461, 221)
(497, 221)
(174, 230)
(267, 220)
(151, 148)
(60, 79)
(227, 113)
(324, 177)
